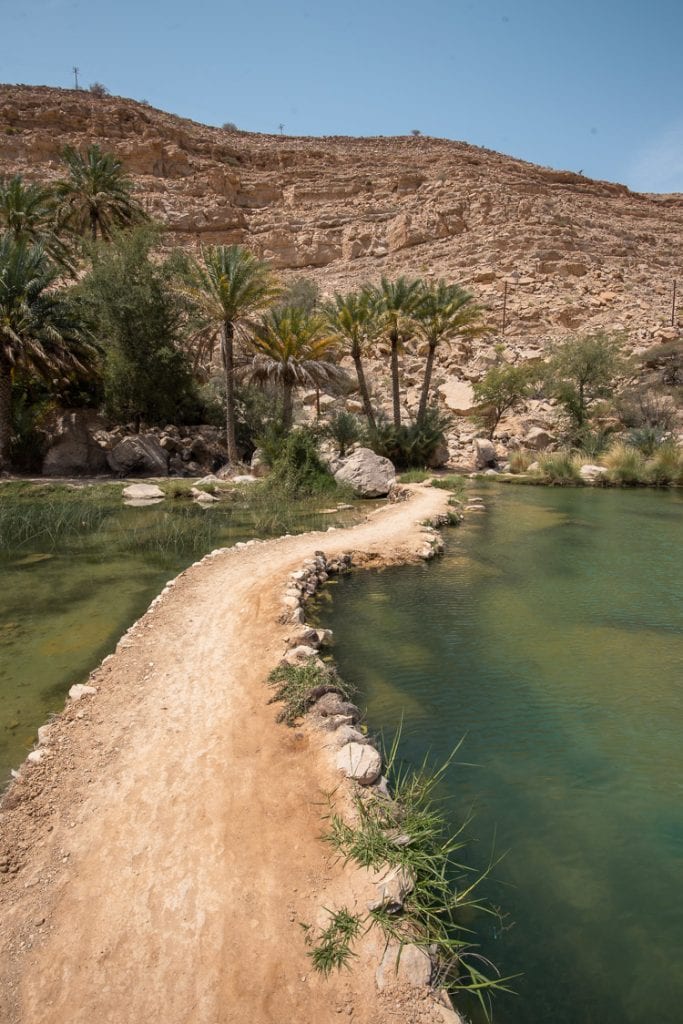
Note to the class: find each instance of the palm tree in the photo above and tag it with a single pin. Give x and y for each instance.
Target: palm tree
(97, 196)
(395, 303)
(351, 320)
(444, 310)
(227, 285)
(27, 213)
(293, 350)
(38, 329)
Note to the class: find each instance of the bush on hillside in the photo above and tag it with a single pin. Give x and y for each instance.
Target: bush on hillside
(410, 445)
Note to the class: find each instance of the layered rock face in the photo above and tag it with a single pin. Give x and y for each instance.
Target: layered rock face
(576, 253)
(547, 252)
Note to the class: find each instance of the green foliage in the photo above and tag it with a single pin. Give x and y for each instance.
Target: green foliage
(625, 465)
(415, 476)
(645, 439)
(593, 442)
(298, 686)
(666, 465)
(410, 445)
(303, 293)
(332, 947)
(137, 315)
(520, 460)
(344, 429)
(41, 332)
(582, 370)
(27, 214)
(649, 407)
(297, 469)
(96, 197)
(410, 832)
(559, 468)
(48, 522)
(668, 359)
(500, 390)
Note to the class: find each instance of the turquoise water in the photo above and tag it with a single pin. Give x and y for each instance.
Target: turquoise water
(66, 600)
(550, 637)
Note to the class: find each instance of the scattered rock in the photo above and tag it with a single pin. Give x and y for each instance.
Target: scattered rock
(79, 690)
(360, 762)
(538, 439)
(144, 492)
(406, 964)
(592, 474)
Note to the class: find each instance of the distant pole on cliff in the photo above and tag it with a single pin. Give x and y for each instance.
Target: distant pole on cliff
(673, 306)
(75, 71)
(282, 128)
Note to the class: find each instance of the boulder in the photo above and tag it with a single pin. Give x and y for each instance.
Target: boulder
(439, 456)
(138, 455)
(360, 762)
(259, 467)
(407, 965)
(144, 492)
(538, 439)
(79, 690)
(592, 474)
(74, 450)
(370, 475)
(484, 453)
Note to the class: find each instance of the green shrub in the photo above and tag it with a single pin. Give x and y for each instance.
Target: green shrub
(625, 465)
(646, 439)
(298, 686)
(666, 465)
(297, 469)
(452, 482)
(410, 445)
(520, 460)
(559, 468)
(415, 476)
(344, 429)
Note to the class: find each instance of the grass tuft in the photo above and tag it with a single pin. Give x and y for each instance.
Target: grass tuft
(298, 686)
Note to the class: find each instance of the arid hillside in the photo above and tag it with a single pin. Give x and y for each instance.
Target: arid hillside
(577, 253)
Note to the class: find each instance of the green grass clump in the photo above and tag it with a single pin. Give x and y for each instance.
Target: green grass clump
(521, 460)
(452, 482)
(666, 465)
(559, 468)
(46, 520)
(415, 476)
(332, 947)
(410, 832)
(298, 686)
(626, 466)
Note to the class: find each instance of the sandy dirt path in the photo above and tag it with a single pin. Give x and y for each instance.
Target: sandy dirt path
(156, 865)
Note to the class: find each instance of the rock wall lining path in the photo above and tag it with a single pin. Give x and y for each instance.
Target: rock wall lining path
(158, 858)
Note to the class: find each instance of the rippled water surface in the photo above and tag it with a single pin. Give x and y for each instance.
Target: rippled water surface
(65, 603)
(550, 637)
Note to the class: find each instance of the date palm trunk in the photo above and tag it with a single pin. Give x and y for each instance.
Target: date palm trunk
(395, 386)
(287, 404)
(5, 413)
(228, 344)
(363, 388)
(427, 383)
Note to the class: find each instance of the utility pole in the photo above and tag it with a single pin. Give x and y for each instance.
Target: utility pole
(75, 71)
(673, 306)
(282, 128)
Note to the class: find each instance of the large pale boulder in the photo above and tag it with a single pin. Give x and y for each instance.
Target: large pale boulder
(74, 450)
(538, 439)
(407, 965)
(484, 453)
(359, 761)
(138, 455)
(592, 474)
(370, 475)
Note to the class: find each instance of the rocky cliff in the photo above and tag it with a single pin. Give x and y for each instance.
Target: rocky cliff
(576, 253)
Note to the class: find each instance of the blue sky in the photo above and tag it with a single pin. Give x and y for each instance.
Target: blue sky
(591, 86)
